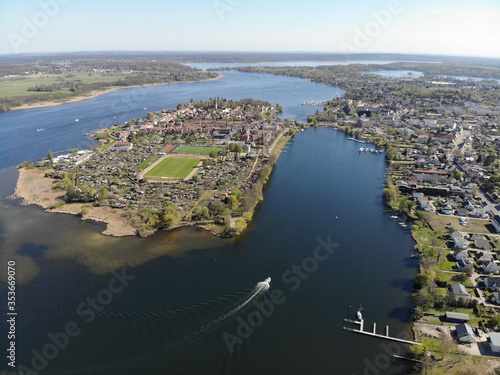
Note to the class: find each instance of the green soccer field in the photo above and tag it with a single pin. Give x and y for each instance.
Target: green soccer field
(173, 168)
(196, 150)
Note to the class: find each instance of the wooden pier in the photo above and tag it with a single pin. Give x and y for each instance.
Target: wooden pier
(361, 324)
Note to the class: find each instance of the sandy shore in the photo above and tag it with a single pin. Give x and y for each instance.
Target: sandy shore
(33, 188)
(95, 94)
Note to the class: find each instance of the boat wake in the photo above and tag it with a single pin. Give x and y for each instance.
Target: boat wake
(190, 338)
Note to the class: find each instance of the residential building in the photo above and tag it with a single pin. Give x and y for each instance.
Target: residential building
(465, 334)
(458, 290)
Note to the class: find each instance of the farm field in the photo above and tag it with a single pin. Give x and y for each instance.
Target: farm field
(196, 150)
(20, 87)
(173, 167)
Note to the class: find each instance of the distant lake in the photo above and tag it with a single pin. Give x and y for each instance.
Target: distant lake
(289, 63)
(464, 78)
(398, 73)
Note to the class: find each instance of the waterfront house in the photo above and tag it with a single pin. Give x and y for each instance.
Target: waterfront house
(458, 290)
(494, 341)
(465, 334)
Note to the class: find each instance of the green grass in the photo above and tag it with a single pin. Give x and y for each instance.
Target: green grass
(438, 223)
(20, 87)
(446, 266)
(147, 162)
(425, 236)
(448, 277)
(196, 150)
(173, 168)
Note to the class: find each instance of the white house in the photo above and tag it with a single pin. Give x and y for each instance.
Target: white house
(495, 342)
(496, 223)
(459, 240)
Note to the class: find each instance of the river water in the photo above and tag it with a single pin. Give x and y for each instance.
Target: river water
(185, 302)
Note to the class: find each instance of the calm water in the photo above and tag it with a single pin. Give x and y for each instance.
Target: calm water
(214, 65)
(398, 73)
(191, 292)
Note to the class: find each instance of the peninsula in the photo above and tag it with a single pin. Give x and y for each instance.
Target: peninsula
(202, 163)
(50, 81)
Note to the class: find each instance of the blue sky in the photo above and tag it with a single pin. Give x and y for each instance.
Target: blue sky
(456, 27)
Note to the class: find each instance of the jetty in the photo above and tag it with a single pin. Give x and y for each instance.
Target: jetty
(361, 324)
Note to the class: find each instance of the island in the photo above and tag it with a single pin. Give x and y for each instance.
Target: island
(202, 163)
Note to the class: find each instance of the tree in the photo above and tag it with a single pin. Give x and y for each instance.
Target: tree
(458, 175)
(151, 115)
(50, 157)
(213, 154)
(74, 152)
(237, 193)
(239, 225)
(232, 201)
(421, 280)
(170, 215)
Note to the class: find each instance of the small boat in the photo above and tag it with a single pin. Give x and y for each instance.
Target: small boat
(268, 280)
(39, 130)
(361, 149)
(358, 314)
(76, 120)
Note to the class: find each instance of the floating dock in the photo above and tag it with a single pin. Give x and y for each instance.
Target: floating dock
(361, 324)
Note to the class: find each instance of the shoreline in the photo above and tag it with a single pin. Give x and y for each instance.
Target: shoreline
(35, 189)
(95, 94)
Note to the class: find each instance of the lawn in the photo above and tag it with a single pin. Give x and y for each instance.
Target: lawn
(438, 223)
(196, 150)
(427, 237)
(147, 162)
(173, 168)
(446, 266)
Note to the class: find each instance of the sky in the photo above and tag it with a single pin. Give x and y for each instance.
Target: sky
(449, 27)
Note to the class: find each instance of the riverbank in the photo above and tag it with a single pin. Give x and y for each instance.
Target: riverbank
(35, 189)
(96, 93)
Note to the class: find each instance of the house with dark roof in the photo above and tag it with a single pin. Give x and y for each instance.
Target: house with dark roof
(465, 334)
(492, 282)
